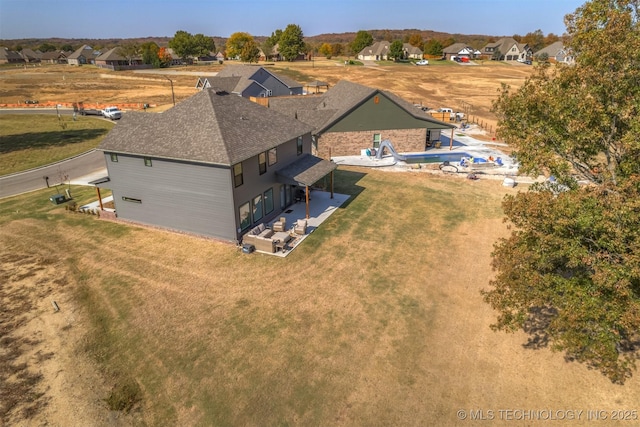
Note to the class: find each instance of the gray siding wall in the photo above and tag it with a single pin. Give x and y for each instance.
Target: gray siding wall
(255, 90)
(256, 184)
(189, 197)
(276, 86)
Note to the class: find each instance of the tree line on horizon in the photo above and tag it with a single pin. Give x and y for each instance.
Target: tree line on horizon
(328, 45)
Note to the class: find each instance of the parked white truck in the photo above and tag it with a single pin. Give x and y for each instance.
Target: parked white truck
(112, 113)
(457, 116)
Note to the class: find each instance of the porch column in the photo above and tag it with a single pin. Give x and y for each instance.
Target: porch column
(99, 198)
(451, 141)
(306, 196)
(331, 183)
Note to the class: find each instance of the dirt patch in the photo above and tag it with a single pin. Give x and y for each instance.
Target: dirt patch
(468, 88)
(44, 379)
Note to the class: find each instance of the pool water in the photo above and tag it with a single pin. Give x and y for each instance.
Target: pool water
(435, 158)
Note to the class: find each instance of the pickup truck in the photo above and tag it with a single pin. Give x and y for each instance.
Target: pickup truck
(458, 116)
(112, 113)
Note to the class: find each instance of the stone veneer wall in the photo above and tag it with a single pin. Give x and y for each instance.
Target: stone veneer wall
(351, 143)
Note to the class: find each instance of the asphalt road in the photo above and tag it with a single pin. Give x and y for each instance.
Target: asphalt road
(79, 169)
(86, 166)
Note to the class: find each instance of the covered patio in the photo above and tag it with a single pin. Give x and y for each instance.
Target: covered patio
(321, 207)
(313, 206)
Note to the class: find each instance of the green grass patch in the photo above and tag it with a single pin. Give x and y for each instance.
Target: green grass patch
(31, 140)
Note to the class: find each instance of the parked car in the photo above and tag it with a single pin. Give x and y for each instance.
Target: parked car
(455, 58)
(90, 112)
(422, 62)
(112, 113)
(464, 59)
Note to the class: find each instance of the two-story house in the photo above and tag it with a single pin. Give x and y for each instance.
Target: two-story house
(215, 165)
(507, 49)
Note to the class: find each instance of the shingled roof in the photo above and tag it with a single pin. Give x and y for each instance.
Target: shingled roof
(210, 127)
(323, 111)
(249, 72)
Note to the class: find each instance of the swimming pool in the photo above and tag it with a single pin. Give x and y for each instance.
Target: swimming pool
(435, 158)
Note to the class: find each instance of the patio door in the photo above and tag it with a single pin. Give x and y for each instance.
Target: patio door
(285, 196)
(287, 192)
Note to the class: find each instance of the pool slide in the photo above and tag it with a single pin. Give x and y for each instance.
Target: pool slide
(387, 144)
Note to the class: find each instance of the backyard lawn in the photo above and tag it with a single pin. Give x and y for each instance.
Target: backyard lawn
(376, 319)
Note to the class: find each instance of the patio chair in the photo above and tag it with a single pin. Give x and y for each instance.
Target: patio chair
(300, 227)
(280, 225)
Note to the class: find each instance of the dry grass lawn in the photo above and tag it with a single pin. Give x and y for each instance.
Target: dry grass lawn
(376, 319)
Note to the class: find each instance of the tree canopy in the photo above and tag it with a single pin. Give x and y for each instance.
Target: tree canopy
(415, 40)
(395, 50)
(291, 42)
(362, 40)
(433, 47)
(150, 54)
(569, 274)
(326, 50)
(186, 45)
(129, 51)
(236, 42)
(250, 52)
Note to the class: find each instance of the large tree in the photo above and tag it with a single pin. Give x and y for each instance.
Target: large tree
(433, 47)
(535, 40)
(415, 40)
(326, 50)
(569, 274)
(150, 54)
(203, 45)
(396, 51)
(236, 42)
(182, 44)
(250, 52)
(129, 51)
(291, 42)
(362, 40)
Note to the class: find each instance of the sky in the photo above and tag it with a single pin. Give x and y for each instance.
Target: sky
(96, 19)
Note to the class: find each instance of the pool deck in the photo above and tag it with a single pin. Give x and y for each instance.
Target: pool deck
(463, 143)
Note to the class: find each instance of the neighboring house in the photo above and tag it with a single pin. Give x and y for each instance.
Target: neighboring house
(350, 117)
(556, 52)
(376, 52)
(215, 165)
(10, 57)
(379, 51)
(509, 50)
(251, 81)
(113, 60)
(274, 56)
(31, 56)
(412, 52)
(175, 59)
(83, 55)
(461, 50)
(211, 57)
(55, 57)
